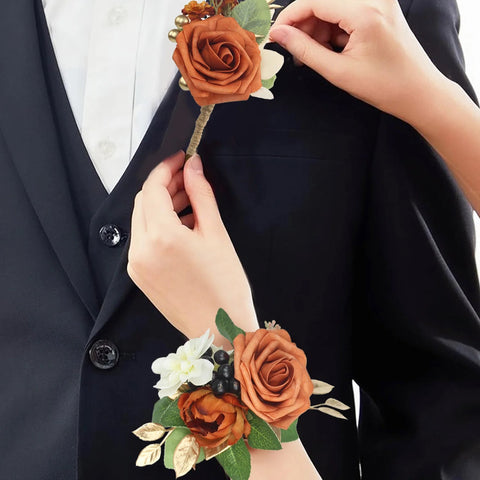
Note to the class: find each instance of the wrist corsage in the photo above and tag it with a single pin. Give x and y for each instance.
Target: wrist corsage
(221, 56)
(213, 403)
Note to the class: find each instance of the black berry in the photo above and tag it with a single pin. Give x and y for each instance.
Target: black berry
(221, 357)
(225, 371)
(214, 375)
(234, 386)
(219, 387)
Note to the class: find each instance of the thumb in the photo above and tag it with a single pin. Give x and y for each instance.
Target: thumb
(200, 193)
(304, 48)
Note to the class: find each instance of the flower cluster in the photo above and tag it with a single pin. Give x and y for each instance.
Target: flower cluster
(213, 401)
(221, 56)
(220, 50)
(197, 11)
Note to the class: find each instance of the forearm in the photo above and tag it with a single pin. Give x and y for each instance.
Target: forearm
(450, 121)
(289, 463)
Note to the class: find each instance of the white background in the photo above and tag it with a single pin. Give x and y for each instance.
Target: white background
(470, 38)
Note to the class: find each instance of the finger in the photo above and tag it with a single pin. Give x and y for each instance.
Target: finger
(188, 221)
(176, 184)
(180, 201)
(204, 206)
(339, 38)
(319, 57)
(164, 172)
(330, 11)
(311, 26)
(320, 31)
(157, 202)
(138, 224)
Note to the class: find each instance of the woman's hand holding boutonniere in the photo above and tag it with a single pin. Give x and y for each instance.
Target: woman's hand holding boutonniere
(177, 261)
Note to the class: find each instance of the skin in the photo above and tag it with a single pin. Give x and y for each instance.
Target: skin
(367, 48)
(187, 267)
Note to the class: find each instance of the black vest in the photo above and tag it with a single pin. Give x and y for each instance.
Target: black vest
(100, 216)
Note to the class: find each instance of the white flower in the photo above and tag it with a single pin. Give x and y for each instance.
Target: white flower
(184, 366)
(270, 64)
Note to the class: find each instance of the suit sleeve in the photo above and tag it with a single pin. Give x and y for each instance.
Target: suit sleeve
(417, 328)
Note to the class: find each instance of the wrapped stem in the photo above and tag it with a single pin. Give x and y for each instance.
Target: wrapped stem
(200, 125)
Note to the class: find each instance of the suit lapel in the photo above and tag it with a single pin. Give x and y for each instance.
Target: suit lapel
(27, 125)
(168, 133)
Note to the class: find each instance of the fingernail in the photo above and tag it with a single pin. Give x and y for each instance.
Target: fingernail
(196, 163)
(278, 35)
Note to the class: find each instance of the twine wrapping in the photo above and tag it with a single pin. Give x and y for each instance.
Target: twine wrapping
(200, 125)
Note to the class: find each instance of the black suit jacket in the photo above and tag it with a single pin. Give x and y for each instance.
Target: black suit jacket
(353, 234)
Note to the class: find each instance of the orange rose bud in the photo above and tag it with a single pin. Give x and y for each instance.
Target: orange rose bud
(196, 11)
(219, 60)
(273, 376)
(214, 420)
(227, 6)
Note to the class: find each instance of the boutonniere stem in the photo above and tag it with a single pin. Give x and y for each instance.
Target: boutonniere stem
(200, 125)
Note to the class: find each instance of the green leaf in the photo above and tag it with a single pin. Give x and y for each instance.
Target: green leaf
(166, 413)
(290, 434)
(253, 15)
(261, 436)
(269, 82)
(236, 460)
(225, 325)
(171, 444)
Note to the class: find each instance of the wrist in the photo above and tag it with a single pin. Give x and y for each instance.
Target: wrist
(290, 462)
(428, 104)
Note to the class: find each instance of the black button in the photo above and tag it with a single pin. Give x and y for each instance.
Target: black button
(110, 235)
(104, 354)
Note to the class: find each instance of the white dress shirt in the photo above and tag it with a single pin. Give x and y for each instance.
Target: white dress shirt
(116, 64)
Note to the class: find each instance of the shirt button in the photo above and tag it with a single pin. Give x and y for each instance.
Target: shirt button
(104, 354)
(110, 235)
(117, 15)
(106, 148)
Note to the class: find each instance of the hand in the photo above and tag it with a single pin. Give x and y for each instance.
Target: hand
(187, 267)
(381, 62)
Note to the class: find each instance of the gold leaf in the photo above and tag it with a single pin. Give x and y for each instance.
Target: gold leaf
(183, 388)
(278, 432)
(332, 412)
(185, 455)
(321, 388)
(149, 455)
(175, 395)
(149, 432)
(333, 402)
(211, 452)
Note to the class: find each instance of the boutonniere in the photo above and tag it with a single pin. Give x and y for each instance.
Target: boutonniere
(213, 403)
(221, 56)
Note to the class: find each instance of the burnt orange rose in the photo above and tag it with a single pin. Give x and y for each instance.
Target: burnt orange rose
(214, 420)
(219, 60)
(273, 376)
(196, 11)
